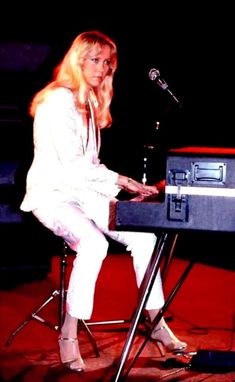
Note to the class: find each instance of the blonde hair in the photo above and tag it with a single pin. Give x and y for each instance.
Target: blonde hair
(69, 74)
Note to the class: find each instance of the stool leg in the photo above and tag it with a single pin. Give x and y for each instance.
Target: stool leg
(34, 315)
(63, 265)
(61, 293)
(91, 337)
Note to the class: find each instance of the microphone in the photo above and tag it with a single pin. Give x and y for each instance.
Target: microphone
(154, 75)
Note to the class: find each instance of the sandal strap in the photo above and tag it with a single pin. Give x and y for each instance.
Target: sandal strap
(67, 339)
(158, 329)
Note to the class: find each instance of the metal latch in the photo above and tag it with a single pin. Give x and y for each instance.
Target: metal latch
(177, 204)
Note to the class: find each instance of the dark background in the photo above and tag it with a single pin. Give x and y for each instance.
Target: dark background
(192, 46)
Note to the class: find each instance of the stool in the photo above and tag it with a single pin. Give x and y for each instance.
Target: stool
(61, 293)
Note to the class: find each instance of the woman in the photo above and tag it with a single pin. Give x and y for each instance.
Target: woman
(72, 193)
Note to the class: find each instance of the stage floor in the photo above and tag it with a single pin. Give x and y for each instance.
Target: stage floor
(202, 314)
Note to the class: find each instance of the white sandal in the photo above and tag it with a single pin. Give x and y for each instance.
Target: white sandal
(70, 354)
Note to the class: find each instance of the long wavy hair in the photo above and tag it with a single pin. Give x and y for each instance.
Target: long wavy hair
(69, 74)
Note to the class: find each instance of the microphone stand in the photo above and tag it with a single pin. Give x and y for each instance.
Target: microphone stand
(174, 97)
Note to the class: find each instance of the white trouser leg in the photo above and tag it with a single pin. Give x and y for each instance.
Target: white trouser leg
(91, 252)
(141, 246)
(70, 222)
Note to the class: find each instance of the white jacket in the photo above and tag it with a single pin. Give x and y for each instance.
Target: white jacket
(66, 164)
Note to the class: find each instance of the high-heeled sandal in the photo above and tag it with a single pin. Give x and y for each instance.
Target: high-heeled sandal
(166, 341)
(70, 354)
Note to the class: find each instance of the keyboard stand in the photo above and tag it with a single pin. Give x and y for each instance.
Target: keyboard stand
(146, 288)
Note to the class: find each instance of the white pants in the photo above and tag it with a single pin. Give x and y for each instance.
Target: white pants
(85, 230)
